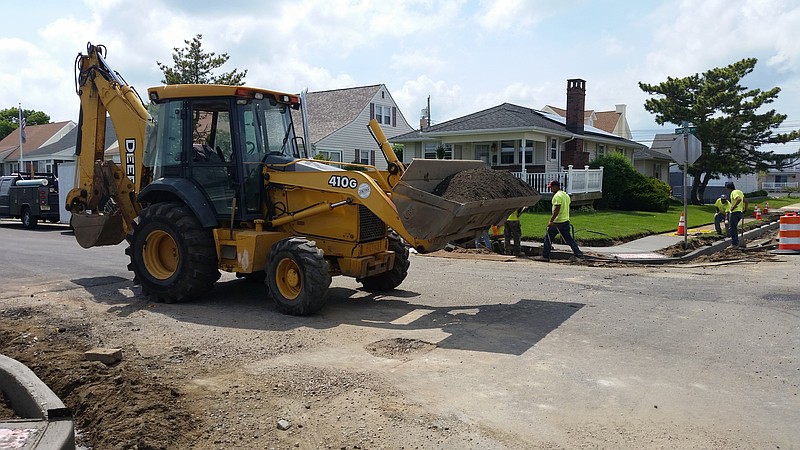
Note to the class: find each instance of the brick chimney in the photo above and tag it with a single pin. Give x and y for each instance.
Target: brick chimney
(576, 101)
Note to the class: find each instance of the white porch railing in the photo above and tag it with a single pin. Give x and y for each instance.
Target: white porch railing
(777, 186)
(573, 181)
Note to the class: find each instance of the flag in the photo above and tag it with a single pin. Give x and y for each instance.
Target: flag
(22, 129)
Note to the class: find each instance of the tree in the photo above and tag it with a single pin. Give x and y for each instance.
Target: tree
(441, 151)
(9, 119)
(726, 117)
(398, 150)
(193, 66)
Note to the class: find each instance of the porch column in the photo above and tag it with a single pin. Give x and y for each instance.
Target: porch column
(523, 159)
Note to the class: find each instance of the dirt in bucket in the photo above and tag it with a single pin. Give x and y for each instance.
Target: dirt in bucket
(482, 184)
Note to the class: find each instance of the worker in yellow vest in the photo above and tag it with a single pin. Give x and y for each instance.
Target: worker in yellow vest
(513, 230)
(559, 224)
(738, 206)
(723, 207)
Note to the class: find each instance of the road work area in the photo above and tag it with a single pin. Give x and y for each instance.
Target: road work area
(512, 354)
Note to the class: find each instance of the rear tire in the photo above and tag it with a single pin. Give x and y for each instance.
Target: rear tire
(172, 256)
(298, 277)
(389, 280)
(28, 220)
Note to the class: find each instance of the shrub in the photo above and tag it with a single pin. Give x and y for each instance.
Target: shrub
(626, 189)
(761, 193)
(649, 194)
(618, 173)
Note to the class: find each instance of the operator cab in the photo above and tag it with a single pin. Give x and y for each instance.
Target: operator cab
(222, 143)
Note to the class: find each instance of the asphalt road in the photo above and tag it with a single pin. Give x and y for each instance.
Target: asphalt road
(553, 355)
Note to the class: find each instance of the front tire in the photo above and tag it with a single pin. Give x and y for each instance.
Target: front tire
(172, 256)
(298, 277)
(389, 280)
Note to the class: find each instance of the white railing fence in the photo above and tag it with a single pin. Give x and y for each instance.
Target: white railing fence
(778, 186)
(573, 181)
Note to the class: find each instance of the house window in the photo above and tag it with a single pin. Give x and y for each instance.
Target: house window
(448, 151)
(432, 153)
(430, 150)
(362, 156)
(529, 145)
(601, 150)
(553, 149)
(331, 155)
(507, 152)
(383, 114)
(657, 171)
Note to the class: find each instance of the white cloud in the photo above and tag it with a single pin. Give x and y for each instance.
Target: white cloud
(415, 61)
(445, 99)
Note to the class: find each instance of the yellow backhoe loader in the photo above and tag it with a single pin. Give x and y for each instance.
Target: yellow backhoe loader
(213, 177)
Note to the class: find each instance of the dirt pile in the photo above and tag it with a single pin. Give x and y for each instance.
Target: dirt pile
(482, 184)
(120, 406)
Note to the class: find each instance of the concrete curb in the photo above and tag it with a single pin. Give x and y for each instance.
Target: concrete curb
(45, 422)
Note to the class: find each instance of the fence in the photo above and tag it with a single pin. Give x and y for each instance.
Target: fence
(773, 186)
(580, 181)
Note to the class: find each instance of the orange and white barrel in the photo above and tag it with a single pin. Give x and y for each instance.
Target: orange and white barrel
(789, 233)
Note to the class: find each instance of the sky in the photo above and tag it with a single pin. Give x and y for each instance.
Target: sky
(466, 55)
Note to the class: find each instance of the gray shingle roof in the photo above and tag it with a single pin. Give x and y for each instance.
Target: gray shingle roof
(647, 153)
(507, 116)
(329, 111)
(70, 140)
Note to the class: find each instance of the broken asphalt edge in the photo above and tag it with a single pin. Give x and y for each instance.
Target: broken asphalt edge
(725, 243)
(702, 251)
(38, 407)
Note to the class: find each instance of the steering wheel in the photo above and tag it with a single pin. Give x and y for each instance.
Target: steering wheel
(250, 147)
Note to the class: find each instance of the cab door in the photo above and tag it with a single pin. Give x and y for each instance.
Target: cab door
(212, 161)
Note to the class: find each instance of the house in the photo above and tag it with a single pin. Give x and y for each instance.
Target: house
(535, 145)
(337, 123)
(784, 180)
(656, 161)
(37, 136)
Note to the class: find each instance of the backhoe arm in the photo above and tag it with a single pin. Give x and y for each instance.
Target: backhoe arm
(102, 91)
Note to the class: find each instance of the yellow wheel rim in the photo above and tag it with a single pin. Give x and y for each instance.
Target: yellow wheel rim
(288, 279)
(160, 255)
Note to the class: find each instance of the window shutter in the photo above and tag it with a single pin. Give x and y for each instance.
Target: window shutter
(394, 116)
(372, 157)
(372, 111)
(358, 156)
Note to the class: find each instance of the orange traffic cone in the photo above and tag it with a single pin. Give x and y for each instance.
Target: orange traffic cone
(757, 212)
(766, 207)
(682, 226)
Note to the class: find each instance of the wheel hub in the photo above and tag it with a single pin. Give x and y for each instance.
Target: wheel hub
(160, 255)
(289, 280)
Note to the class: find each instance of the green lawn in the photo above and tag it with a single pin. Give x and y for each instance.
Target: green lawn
(609, 225)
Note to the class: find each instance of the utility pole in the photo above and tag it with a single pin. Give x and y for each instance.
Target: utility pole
(429, 111)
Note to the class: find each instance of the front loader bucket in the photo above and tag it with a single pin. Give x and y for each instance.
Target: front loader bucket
(436, 220)
(92, 230)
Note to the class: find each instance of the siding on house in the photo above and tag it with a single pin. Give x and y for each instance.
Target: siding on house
(338, 122)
